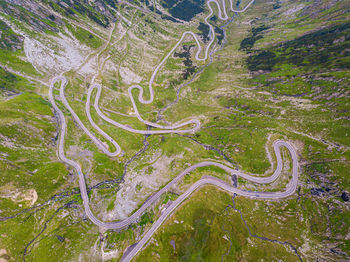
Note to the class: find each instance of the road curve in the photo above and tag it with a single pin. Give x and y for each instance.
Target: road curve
(169, 128)
(222, 15)
(291, 187)
(208, 180)
(98, 142)
(134, 217)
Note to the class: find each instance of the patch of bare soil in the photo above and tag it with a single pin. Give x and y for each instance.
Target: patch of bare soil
(9, 191)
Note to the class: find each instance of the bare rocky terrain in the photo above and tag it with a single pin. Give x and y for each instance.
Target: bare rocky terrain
(277, 71)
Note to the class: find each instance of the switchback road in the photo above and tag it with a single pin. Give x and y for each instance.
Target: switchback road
(176, 128)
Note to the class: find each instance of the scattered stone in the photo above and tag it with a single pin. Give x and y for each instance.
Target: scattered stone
(317, 191)
(8, 39)
(172, 242)
(60, 238)
(128, 76)
(234, 180)
(345, 196)
(337, 251)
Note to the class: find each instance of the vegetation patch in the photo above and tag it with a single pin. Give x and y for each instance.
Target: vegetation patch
(324, 49)
(208, 228)
(184, 10)
(84, 36)
(9, 40)
(189, 67)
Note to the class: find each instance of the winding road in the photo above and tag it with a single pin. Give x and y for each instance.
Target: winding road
(208, 180)
(291, 187)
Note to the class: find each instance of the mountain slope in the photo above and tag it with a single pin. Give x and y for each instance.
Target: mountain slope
(280, 70)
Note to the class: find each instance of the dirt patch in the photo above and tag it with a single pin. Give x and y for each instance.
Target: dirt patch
(89, 68)
(128, 76)
(109, 255)
(77, 152)
(3, 255)
(139, 185)
(31, 195)
(56, 54)
(7, 142)
(9, 191)
(299, 146)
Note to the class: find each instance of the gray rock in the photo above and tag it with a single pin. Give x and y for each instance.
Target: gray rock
(60, 238)
(345, 196)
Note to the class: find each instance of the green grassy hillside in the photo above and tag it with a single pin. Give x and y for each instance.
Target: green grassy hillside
(280, 71)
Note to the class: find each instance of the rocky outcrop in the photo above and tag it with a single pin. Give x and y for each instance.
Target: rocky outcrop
(345, 196)
(32, 14)
(9, 40)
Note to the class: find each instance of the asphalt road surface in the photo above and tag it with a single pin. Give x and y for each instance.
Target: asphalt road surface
(176, 128)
